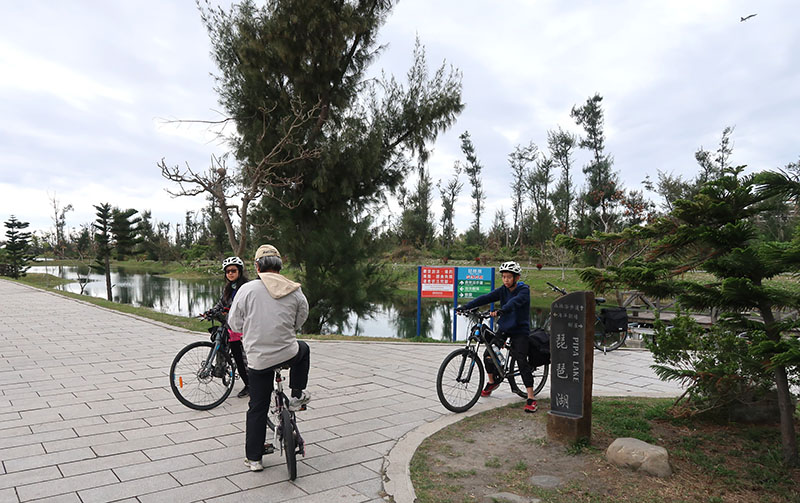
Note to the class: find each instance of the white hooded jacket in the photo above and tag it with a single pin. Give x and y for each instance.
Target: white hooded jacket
(269, 313)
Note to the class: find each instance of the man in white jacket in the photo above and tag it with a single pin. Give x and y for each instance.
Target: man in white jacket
(269, 312)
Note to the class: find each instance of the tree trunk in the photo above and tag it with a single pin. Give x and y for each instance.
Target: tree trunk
(226, 219)
(108, 278)
(786, 411)
(788, 435)
(243, 227)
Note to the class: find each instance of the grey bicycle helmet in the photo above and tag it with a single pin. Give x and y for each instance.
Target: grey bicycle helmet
(232, 261)
(511, 267)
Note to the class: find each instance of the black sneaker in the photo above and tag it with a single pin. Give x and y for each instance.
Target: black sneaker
(245, 391)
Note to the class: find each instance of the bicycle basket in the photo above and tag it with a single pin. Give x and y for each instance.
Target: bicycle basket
(615, 319)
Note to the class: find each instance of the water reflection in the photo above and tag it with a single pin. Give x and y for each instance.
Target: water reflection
(399, 319)
(396, 318)
(143, 289)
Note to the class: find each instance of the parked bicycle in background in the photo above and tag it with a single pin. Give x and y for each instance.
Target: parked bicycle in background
(611, 324)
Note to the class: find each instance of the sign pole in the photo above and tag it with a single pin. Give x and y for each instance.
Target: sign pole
(491, 321)
(455, 301)
(419, 298)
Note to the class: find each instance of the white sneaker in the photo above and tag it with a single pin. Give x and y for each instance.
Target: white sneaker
(296, 404)
(255, 466)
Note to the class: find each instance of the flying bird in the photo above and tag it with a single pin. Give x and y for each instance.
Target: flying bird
(742, 20)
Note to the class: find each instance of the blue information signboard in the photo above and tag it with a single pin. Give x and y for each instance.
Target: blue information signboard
(472, 282)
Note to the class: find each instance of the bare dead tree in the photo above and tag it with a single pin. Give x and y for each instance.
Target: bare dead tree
(250, 181)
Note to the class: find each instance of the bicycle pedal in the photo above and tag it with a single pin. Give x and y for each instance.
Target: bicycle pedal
(269, 448)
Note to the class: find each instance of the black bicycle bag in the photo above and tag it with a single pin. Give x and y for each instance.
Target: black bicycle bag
(615, 319)
(539, 348)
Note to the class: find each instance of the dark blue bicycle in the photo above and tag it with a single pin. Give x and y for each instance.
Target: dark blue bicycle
(202, 374)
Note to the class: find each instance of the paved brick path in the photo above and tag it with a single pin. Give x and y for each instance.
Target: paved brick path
(87, 416)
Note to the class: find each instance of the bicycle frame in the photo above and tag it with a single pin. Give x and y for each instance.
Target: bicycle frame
(480, 333)
(281, 401)
(220, 345)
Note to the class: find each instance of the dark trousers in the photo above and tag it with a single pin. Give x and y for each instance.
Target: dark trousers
(520, 347)
(237, 351)
(261, 386)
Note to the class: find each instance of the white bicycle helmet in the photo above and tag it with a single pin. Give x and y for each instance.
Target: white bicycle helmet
(511, 267)
(232, 261)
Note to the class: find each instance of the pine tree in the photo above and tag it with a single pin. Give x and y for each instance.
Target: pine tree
(561, 144)
(17, 247)
(147, 236)
(716, 232)
(473, 168)
(416, 221)
(103, 243)
(124, 230)
(449, 194)
(519, 160)
(538, 185)
(500, 232)
(603, 188)
(361, 132)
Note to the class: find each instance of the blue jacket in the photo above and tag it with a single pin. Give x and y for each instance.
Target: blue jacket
(516, 307)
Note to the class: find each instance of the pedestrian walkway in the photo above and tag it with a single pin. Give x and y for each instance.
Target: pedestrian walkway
(87, 415)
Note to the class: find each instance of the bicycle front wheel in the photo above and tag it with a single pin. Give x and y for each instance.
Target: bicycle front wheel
(540, 374)
(460, 380)
(289, 444)
(197, 385)
(608, 341)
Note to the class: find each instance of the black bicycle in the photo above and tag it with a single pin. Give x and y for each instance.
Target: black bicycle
(611, 324)
(283, 423)
(202, 374)
(461, 375)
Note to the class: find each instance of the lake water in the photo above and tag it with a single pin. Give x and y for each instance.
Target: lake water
(190, 297)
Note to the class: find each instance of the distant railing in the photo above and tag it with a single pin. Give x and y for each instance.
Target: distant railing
(642, 308)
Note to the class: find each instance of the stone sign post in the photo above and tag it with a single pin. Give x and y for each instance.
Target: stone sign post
(571, 366)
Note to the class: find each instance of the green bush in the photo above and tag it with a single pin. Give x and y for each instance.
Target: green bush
(716, 364)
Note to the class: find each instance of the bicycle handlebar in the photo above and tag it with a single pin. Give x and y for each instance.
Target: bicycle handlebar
(218, 314)
(483, 315)
(556, 289)
(597, 300)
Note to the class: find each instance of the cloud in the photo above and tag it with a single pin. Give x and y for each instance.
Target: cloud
(86, 90)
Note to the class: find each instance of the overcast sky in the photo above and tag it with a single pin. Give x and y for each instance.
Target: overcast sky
(87, 88)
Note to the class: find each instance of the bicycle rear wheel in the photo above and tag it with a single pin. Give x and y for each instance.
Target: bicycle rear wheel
(460, 380)
(289, 444)
(608, 341)
(194, 384)
(540, 374)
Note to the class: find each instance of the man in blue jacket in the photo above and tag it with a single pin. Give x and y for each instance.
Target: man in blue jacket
(515, 322)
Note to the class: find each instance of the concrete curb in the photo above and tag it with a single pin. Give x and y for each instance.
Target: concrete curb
(396, 465)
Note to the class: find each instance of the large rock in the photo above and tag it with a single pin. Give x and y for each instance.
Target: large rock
(640, 456)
